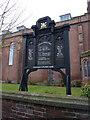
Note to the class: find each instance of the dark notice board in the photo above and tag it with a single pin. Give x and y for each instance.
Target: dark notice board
(45, 47)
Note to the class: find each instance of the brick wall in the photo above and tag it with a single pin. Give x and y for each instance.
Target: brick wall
(0, 58)
(26, 106)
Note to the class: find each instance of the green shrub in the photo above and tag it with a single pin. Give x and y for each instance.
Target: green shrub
(88, 83)
(76, 83)
(85, 91)
(53, 83)
(61, 83)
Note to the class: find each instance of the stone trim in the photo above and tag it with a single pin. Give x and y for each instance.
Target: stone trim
(85, 54)
(81, 103)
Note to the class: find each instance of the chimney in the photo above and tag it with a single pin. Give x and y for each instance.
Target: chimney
(88, 6)
(65, 17)
(6, 32)
(21, 28)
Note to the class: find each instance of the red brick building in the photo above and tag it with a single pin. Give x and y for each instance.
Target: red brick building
(79, 59)
(85, 56)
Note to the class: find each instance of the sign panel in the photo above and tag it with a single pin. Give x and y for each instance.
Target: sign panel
(30, 52)
(59, 51)
(44, 53)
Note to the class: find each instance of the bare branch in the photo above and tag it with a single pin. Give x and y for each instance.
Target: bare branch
(2, 4)
(13, 21)
(11, 7)
(2, 16)
(10, 18)
(6, 7)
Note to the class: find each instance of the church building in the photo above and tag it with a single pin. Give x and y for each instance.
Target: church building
(79, 41)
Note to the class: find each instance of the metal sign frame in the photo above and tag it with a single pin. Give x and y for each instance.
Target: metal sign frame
(47, 47)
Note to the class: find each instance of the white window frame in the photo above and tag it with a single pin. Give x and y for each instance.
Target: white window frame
(11, 53)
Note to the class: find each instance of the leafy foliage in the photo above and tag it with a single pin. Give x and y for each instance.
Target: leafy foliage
(76, 83)
(85, 91)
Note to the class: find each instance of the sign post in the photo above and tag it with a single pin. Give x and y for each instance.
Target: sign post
(47, 47)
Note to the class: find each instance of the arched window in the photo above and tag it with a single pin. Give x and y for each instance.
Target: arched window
(11, 52)
(88, 68)
(85, 69)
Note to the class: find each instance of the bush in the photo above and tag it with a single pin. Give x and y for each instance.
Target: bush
(85, 91)
(88, 83)
(76, 83)
(53, 83)
(8, 81)
(61, 83)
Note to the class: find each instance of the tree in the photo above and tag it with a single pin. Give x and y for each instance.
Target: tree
(10, 14)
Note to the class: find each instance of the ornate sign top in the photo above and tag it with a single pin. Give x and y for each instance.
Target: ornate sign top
(44, 22)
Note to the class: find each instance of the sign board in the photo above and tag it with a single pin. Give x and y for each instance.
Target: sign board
(47, 47)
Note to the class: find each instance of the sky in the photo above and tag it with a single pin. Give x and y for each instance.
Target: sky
(36, 9)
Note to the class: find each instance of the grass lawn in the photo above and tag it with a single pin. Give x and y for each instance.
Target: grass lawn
(76, 91)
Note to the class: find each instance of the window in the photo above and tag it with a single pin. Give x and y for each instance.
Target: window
(85, 69)
(88, 69)
(86, 66)
(11, 54)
